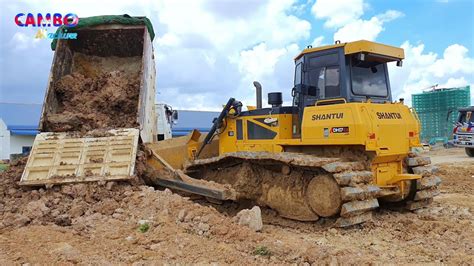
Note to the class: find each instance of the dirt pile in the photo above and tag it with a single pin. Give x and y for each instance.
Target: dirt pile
(138, 222)
(100, 93)
(118, 223)
(59, 205)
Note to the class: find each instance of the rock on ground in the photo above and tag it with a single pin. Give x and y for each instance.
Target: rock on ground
(251, 218)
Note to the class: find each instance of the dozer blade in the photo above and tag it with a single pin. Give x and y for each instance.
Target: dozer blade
(196, 186)
(167, 158)
(176, 152)
(58, 158)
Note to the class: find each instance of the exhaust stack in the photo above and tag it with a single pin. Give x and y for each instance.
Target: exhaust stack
(258, 88)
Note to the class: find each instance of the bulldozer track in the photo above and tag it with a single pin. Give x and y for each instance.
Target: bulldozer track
(298, 186)
(427, 186)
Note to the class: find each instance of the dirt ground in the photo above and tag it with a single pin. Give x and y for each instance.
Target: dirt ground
(118, 223)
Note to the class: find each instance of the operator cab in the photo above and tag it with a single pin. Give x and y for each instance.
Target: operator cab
(466, 115)
(352, 72)
(343, 72)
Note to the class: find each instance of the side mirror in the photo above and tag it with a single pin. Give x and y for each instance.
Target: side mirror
(399, 63)
(175, 115)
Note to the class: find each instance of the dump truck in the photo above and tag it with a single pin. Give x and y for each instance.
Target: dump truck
(463, 132)
(166, 117)
(342, 149)
(99, 103)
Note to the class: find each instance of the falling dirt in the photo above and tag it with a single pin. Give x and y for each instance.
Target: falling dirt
(100, 93)
(125, 223)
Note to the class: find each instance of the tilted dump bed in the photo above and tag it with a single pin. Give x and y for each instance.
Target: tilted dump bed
(99, 102)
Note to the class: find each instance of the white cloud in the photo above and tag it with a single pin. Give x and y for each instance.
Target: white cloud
(206, 49)
(346, 18)
(455, 60)
(199, 44)
(420, 70)
(168, 39)
(454, 83)
(273, 68)
(424, 69)
(359, 30)
(259, 61)
(365, 29)
(389, 15)
(338, 13)
(318, 41)
(22, 41)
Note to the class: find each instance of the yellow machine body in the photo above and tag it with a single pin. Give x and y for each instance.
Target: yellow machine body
(387, 130)
(352, 114)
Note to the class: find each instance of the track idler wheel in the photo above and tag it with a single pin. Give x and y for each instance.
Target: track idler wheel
(324, 196)
(286, 195)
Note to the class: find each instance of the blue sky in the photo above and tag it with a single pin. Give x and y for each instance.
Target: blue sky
(207, 51)
(435, 23)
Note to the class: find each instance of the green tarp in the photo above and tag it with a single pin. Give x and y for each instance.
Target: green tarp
(104, 20)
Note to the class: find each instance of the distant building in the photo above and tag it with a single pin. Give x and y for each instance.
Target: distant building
(437, 110)
(189, 120)
(19, 126)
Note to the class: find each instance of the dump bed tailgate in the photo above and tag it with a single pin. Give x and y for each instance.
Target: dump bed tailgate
(57, 158)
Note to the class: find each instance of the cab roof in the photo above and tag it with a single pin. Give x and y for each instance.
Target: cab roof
(360, 46)
(467, 109)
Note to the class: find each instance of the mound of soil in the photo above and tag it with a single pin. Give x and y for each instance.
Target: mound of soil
(100, 93)
(21, 206)
(119, 223)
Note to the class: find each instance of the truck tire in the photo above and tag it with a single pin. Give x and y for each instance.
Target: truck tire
(470, 152)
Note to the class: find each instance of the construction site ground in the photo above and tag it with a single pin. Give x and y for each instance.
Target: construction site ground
(133, 223)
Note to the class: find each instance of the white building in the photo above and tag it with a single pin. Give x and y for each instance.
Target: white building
(189, 120)
(18, 128)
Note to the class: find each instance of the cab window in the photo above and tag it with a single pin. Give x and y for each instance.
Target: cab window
(298, 74)
(466, 117)
(369, 79)
(324, 75)
(328, 82)
(331, 87)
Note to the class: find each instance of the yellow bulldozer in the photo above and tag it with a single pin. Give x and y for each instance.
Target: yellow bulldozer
(339, 150)
(342, 148)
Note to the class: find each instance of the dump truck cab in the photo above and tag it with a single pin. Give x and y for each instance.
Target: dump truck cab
(463, 133)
